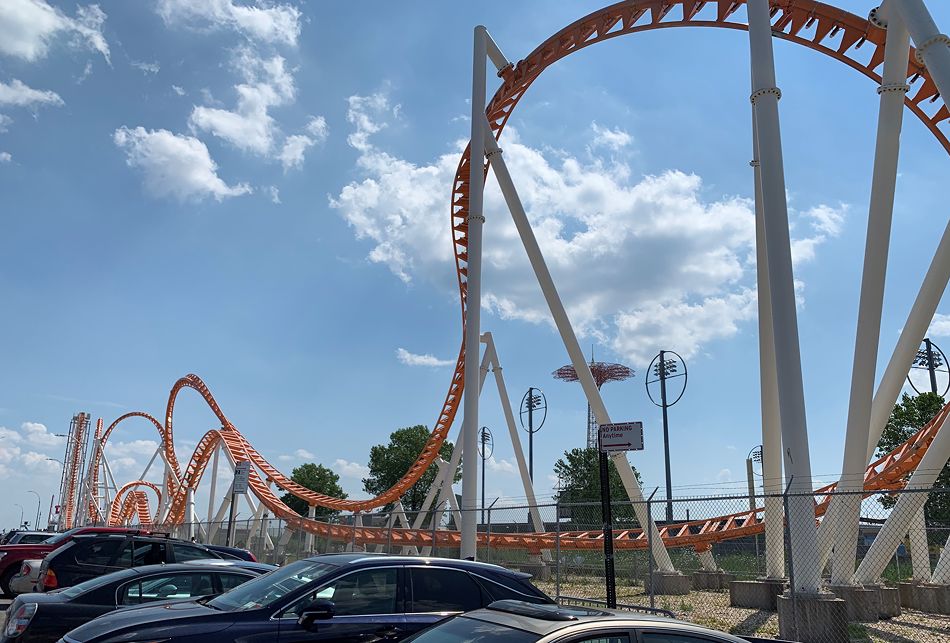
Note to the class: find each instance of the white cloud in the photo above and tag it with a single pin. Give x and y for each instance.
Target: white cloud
(146, 67)
(499, 466)
(724, 475)
(86, 73)
(28, 27)
(292, 154)
(412, 359)
(268, 22)
(613, 139)
(19, 94)
(940, 326)
(825, 222)
(37, 435)
(178, 90)
(5, 157)
(174, 165)
(250, 127)
(25, 452)
(347, 469)
(602, 232)
(5, 122)
(304, 454)
(274, 194)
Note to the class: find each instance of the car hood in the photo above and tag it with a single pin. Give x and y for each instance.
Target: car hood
(152, 622)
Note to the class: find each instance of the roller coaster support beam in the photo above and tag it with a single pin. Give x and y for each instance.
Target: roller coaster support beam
(791, 398)
(909, 503)
(768, 385)
(574, 350)
(933, 47)
(941, 573)
(473, 297)
(190, 514)
(919, 550)
(840, 526)
(311, 514)
(214, 482)
(219, 516)
(536, 521)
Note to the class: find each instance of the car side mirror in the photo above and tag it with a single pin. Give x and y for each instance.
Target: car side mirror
(318, 610)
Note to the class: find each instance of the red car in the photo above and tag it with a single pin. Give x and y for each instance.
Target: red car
(12, 555)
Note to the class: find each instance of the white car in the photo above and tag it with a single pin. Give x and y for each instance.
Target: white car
(26, 579)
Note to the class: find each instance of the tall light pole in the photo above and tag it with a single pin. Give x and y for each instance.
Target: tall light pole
(486, 447)
(19, 524)
(531, 402)
(755, 455)
(665, 368)
(931, 359)
(39, 502)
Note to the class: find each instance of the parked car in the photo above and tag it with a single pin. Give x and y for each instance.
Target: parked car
(11, 556)
(334, 596)
(89, 556)
(238, 553)
(26, 579)
(27, 537)
(44, 618)
(519, 622)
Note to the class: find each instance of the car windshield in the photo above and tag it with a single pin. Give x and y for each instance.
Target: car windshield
(96, 583)
(470, 630)
(265, 590)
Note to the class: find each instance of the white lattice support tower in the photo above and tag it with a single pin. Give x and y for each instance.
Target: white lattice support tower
(708, 561)
(919, 549)
(791, 397)
(311, 514)
(941, 572)
(561, 320)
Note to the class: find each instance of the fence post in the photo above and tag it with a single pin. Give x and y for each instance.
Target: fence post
(389, 535)
(788, 553)
(432, 521)
(488, 536)
(557, 550)
(650, 546)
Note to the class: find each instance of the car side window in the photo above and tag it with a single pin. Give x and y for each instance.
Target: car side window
(230, 581)
(370, 591)
(165, 587)
(672, 637)
(443, 590)
(602, 638)
(100, 552)
(186, 553)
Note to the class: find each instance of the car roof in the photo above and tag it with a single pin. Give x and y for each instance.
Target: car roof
(364, 558)
(542, 619)
(199, 565)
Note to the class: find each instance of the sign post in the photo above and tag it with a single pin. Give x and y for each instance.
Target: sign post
(621, 436)
(242, 472)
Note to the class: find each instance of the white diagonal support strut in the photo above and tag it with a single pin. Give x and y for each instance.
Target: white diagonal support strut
(566, 331)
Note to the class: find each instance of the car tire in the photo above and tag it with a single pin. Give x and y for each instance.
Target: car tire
(5, 579)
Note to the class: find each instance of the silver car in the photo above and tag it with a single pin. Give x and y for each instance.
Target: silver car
(24, 581)
(510, 621)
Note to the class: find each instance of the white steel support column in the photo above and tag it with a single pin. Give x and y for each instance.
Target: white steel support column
(842, 527)
(791, 398)
(768, 386)
(919, 551)
(566, 331)
(190, 514)
(941, 573)
(214, 479)
(219, 517)
(473, 299)
(933, 47)
(708, 561)
(908, 504)
(311, 514)
(538, 524)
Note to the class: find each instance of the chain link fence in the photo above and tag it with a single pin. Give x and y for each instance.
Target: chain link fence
(873, 567)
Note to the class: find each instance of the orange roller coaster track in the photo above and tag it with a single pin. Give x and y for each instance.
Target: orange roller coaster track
(818, 26)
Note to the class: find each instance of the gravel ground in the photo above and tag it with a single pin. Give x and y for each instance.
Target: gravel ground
(712, 610)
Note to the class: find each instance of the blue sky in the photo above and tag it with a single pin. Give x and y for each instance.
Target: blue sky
(258, 193)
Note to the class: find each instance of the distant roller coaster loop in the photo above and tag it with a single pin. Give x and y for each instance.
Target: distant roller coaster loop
(818, 26)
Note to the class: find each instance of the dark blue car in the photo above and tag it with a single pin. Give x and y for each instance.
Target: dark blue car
(336, 597)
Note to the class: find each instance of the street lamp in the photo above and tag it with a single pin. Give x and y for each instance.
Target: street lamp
(19, 524)
(530, 403)
(486, 447)
(931, 359)
(755, 455)
(39, 503)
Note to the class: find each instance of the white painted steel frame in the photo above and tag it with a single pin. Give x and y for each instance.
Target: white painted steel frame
(791, 398)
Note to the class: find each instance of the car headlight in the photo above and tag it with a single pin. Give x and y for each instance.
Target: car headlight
(2, 554)
(20, 620)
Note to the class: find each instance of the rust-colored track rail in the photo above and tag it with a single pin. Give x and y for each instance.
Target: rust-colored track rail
(818, 26)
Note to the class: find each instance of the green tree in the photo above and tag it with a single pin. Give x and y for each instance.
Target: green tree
(909, 416)
(390, 462)
(579, 475)
(319, 478)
